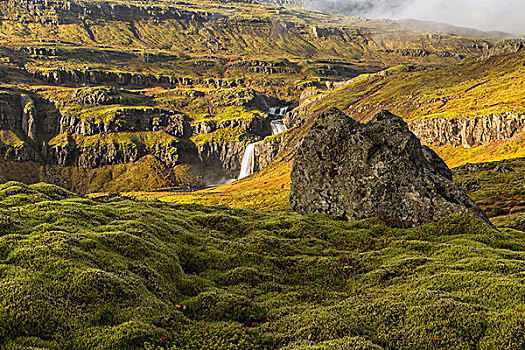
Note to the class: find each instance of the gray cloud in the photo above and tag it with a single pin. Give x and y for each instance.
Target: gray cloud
(504, 15)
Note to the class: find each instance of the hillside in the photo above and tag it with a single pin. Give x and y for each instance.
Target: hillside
(113, 273)
(123, 124)
(122, 96)
(57, 41)
(468, 113)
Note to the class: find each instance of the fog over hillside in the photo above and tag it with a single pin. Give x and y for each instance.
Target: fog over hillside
(501, 15)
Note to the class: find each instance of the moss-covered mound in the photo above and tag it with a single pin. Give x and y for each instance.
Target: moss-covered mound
(118, 274)
(501, 194)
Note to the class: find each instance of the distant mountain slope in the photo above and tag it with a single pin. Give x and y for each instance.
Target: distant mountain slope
(96, 95)
(472, 105)
(436, 27)
(234, 28)
(382, 11)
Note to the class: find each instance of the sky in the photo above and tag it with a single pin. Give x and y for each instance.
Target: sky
(503, 15)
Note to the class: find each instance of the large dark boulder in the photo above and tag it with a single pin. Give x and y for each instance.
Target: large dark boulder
(377, 169)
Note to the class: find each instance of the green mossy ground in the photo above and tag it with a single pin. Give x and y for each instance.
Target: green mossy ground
(113, 273)
(501, 196)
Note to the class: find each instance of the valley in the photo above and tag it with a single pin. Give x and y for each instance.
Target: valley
(96, 94)
(155, 156)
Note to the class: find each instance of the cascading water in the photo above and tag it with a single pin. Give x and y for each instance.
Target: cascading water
(280, 111)
(248, 161)
(278, 127)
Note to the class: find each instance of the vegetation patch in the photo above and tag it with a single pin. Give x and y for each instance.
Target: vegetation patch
(223, 135)
(113, 273)
(498, 188)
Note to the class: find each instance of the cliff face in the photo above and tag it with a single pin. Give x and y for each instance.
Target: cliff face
(268, 150)
(112, 149)
(19, 125)
(128, 119)
(11, 110)
(256, 126)
(468, 132)
(223, 156)
(227, 153)
(93, 129)
(67, 12)
(94, 77)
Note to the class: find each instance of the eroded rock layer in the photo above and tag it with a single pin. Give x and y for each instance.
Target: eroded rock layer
(468, 132)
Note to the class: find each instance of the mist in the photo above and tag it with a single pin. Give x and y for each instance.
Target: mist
(488, 15)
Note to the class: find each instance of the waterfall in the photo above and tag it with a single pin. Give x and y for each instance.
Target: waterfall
(248, 161)
(280, 111)
(278, 127)
(273, 110)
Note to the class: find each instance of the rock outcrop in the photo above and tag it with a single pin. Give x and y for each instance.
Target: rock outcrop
(492, 168)
(223, 156)
(127, 119)
(378, 169)
(67, 12)
(29, 117)
(502, 169)
(224, 153)
(268, 150)
(468, 132)
(95, 77)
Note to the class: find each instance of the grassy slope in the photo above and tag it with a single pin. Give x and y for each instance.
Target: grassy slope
(493, 151)
(267, 190)
(493, 85)
(502, 196)
(407, 94)
(114, 274)
(474, 87)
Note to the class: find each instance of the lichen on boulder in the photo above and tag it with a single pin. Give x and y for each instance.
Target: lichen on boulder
(378, 169)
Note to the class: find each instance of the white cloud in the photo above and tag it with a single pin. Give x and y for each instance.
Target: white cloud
(504, 15)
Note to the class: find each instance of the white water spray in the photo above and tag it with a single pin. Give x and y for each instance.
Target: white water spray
(280, 111)
(278, 127)
(248, 161)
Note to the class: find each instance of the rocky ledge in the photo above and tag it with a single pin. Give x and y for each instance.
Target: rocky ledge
(468, 132)
(377, 169)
